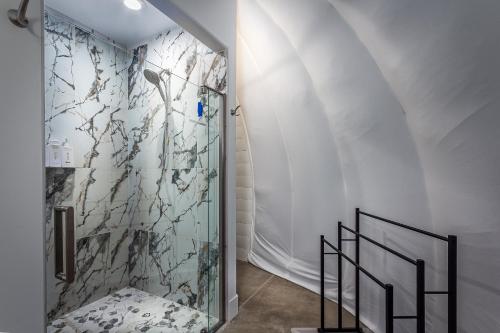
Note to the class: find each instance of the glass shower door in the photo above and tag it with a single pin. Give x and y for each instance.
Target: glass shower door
(175, 178)
(212, 208)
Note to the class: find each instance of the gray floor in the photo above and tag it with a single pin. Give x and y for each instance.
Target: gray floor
(271, 304)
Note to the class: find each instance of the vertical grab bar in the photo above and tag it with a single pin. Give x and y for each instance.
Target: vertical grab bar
(64, 231)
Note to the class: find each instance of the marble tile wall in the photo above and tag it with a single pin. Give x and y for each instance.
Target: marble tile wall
(182, 54)
(174, 160)
(86, 104)
(144, 186)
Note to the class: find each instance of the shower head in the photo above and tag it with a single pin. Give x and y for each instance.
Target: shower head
(152, 77)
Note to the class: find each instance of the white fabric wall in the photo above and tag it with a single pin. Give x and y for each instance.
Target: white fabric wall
(245, 208)
(388, 105)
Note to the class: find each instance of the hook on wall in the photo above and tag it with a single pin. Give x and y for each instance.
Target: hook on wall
(233, 111)
(18, 16)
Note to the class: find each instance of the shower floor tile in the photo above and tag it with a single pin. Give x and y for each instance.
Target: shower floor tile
(131, 310)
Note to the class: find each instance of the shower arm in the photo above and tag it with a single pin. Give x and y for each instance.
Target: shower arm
(18, 16)
(235, 110)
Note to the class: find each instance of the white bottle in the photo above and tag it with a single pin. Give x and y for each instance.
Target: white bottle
(68, 158)
(54, 154)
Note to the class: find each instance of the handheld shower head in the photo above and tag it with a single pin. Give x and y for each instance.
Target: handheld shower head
(152, 77)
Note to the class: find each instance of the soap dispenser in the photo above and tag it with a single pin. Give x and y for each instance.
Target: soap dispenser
(53, 154)
(68, 158)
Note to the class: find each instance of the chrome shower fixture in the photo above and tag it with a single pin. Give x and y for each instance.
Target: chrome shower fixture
(18, 16)
(235, 110)
(154, 78)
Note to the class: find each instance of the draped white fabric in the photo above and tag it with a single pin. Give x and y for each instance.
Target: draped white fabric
(388, 105)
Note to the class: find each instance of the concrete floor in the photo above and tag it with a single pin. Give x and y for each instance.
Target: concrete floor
(271, 304)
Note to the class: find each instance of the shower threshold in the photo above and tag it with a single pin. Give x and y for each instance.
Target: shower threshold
(132, 310)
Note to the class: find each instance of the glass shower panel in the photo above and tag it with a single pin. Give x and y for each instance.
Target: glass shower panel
(214, 168)
(170, 254)
(208, 202)
(151, 201)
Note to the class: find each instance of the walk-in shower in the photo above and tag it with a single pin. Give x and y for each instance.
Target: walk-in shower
(134, 180)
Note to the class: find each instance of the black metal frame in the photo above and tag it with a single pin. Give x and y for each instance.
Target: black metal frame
(389, 288)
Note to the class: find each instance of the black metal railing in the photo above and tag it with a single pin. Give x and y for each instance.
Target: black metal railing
(419, 265)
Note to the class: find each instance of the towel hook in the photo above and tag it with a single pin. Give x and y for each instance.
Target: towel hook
(233, 111)
(18, 16)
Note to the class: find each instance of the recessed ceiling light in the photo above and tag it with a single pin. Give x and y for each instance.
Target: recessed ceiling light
(133, 4)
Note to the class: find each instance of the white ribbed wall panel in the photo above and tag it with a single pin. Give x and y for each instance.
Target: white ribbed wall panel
(244, 192)
(387, 105)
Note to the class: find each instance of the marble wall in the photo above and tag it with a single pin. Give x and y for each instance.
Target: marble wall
(86, 103)
(145, 182)
(173, 249)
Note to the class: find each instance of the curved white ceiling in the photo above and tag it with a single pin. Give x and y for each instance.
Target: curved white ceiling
(388, 105)
(112, 19)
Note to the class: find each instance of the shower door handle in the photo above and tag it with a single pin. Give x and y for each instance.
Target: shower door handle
(64, 234)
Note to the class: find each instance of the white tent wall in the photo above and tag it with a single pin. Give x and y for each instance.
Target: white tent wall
(388, 105)
(245, 208)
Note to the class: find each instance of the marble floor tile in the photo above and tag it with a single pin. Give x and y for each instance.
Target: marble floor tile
(131, 310)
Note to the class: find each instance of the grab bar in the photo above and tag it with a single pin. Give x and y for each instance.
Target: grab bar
(64, 231)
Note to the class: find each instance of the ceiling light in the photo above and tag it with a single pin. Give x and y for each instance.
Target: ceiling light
(133, 4)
